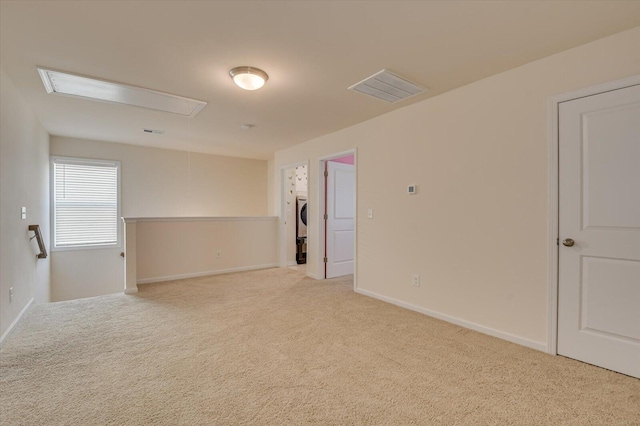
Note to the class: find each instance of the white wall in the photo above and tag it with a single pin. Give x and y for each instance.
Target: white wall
(164, 182)
(24, 181)
(477, 231)
(86, 273)
(272, 180)
(171, 249)
(156, 183)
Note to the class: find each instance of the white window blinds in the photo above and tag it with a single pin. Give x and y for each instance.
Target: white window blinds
(85, 202)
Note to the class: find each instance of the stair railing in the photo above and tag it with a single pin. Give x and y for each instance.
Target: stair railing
(38, 236)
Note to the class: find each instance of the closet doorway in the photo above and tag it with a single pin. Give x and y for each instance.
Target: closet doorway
(295, 192)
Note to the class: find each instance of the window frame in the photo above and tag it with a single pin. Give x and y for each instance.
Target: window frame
(52, 204)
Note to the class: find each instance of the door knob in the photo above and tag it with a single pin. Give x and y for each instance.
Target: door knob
(568, 242)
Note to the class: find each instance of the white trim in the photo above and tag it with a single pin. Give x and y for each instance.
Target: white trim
(552, 242)
(292, 263)
(457, 321)
(553, 144)
(355, 221)
(338, 155)
(52, 204)
(322, 235)
(296, 164)
(15, 321)
(314, 276)
(321, 231)
(131, 290)
(84, 161)
(205, 273)
(198, 219)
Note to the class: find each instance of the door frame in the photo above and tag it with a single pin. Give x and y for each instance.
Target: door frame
(282, 249)
(554, 193)
(322, 206)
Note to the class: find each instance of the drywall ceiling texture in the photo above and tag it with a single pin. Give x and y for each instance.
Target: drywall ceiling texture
(24, 167)
(312, 51)
(477, 231)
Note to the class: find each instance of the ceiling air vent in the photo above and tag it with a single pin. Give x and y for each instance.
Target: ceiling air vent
(387, 86)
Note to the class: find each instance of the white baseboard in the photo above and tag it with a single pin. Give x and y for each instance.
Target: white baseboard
(15, 321)
(457, 321)
(203, 274)
(292, 263)
(131, 290)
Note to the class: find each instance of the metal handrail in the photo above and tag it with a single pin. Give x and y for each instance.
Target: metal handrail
(38, 236)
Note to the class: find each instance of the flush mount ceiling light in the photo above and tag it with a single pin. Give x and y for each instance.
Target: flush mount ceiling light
(63, 83)
(248, 78)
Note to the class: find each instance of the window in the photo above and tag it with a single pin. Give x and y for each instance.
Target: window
(85, 203)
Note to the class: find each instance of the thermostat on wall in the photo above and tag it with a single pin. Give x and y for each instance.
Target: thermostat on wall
(412, 189)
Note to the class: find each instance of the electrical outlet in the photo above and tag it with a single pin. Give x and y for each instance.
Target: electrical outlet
(219, 254)
(415, 280)
(10, 294)
(370, 213)
(23, 213)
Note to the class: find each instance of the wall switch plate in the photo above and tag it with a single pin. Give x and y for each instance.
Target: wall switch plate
(412, 189)
(415, 280)
(10, 294)
(23, 213)
(219, 254)
(370, 213)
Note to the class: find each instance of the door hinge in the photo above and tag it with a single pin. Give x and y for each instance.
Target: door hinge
(326, 260)
(326, 173)
(557, 241)
(326, 216)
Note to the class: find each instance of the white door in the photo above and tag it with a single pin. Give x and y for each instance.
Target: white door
(340, 184)
(599, 275)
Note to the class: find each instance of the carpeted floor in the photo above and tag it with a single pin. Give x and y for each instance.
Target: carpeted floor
(272, 347)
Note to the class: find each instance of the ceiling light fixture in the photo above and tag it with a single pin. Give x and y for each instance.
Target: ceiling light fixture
(63, 83)
(249, 78)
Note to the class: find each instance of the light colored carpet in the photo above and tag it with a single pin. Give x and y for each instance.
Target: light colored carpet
(272, 347)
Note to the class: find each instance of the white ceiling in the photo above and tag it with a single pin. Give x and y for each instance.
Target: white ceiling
(312, 51)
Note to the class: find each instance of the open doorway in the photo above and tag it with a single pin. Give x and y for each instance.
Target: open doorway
(294, 216)
(338, 209)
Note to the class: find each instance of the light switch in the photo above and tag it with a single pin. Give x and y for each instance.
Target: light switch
(370, 213)
(23, 213)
